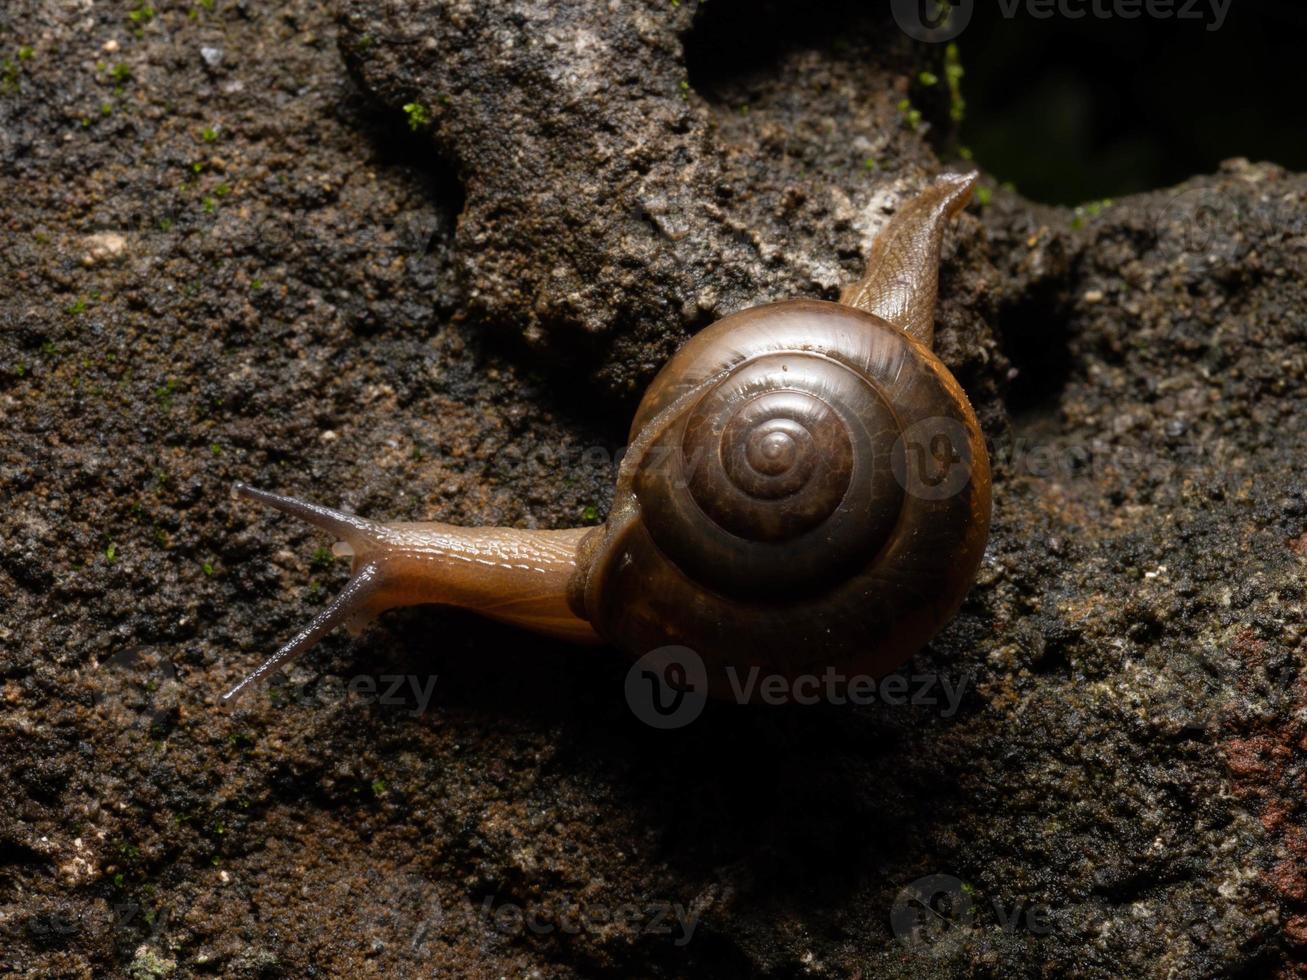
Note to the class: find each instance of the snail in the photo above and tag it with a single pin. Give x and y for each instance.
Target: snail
(806, 487)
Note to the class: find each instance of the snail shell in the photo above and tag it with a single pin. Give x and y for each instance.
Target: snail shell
(807, 487)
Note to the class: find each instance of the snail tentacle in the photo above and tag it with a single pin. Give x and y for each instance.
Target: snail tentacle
(344, 608)
(515, 576)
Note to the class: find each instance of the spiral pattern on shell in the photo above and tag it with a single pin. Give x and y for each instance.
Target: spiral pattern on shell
(778, 477)
(806, 485)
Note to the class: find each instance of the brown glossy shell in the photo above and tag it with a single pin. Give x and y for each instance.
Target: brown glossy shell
(806, 488)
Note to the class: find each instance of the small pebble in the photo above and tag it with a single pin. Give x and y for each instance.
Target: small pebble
(212, 56)
(107, 246)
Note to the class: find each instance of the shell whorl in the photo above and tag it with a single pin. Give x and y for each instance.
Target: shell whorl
(777, 479)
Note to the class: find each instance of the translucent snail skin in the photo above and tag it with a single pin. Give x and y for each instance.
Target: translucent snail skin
(806, 487)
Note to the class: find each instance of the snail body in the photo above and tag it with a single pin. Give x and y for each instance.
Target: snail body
(806, 488)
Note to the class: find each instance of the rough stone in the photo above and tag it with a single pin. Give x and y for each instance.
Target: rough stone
(325, 302)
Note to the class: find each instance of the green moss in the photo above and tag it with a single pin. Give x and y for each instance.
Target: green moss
(322, 557)
(26, 53)
(208, 567)
(77, 307)
(590, 514)
(222, 190)
(870, 164)
(111, 553)
(983, 196)
(953, 72)
(164, 394)
(418, 116)
(209, 205)
(378, 787)
(256, 285)
(209, 134)
(141, 14)
(120, 73)
(928, 78)
(8, 76)
(911, 115)
(1090, 209)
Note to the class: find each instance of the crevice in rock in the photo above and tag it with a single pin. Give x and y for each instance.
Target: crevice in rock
(1035, 336)
(396, 143)
(732, 40)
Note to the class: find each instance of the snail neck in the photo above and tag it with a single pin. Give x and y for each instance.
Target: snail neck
(902, 274)
(508, 574)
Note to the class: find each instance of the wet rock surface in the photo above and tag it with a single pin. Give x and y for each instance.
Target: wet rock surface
(232, 253)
